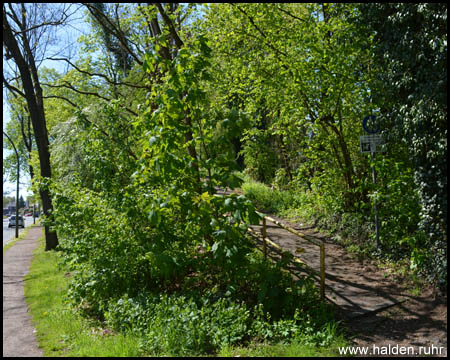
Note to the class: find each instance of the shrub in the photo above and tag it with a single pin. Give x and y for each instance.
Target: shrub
(177, 325)
(266, 304)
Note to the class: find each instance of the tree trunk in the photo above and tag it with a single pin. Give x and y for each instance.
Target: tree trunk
(33, 96)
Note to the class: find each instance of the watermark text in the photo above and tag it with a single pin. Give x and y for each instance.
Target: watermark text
(392, 350)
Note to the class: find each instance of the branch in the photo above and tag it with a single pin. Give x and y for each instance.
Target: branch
(69, 86)
(12, 88)
(291, 15)
(38, 26)
(112, 82)
(103, 19)
(62, 98)
(264, 36)
(169, 23)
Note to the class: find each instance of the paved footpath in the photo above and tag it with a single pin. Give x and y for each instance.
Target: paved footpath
(19, 339)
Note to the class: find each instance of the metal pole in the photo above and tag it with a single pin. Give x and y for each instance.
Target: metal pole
(17, 188)
(34, 213)
(375, 202)
(17, 201)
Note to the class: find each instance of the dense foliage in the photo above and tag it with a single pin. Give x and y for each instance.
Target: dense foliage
(411, 48)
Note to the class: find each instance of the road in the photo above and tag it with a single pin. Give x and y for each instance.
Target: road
(9, 233)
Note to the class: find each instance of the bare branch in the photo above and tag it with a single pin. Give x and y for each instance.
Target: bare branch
(62, 98)
(101, 18)
(112, 82)
(71, 87)
(12, 88)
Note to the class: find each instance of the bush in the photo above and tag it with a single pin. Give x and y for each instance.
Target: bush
(266, 304)
(177, 325)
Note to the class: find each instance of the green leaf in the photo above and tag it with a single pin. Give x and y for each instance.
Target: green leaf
(148, 63)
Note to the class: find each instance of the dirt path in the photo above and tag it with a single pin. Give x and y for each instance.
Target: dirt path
(377, 308)
(19, 339)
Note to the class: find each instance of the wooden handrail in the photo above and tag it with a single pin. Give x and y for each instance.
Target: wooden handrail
(293, 231)
(303, 236)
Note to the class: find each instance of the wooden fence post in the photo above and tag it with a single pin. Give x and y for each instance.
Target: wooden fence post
(322, 271)
(264, 234)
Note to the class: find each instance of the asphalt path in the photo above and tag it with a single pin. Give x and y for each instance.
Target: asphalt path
(9, 233)
(19, 335)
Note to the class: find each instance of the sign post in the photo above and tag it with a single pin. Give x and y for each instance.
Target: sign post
(372, 143)
(375, 209)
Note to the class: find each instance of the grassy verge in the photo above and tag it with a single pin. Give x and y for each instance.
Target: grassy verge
(63, 332)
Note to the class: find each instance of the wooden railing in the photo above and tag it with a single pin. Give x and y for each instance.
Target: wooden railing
(304, 236)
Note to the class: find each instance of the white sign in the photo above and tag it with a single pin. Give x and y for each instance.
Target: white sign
(372, 143)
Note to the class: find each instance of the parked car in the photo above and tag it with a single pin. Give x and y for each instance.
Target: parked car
(12, 221)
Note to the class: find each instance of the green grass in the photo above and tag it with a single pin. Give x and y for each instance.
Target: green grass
(265, 198)
(283, 350)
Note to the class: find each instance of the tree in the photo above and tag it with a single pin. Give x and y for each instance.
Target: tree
(159, 32)
(122, 58)
(23, 28)
(7, 200)
(298, 70)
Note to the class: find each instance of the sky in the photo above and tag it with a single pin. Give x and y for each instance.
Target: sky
(66, 39)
